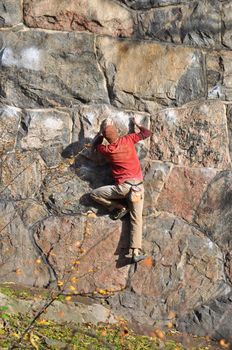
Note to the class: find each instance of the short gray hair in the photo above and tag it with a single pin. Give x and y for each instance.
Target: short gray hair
(106, 122)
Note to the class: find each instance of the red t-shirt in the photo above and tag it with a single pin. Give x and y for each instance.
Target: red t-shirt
(123, 157)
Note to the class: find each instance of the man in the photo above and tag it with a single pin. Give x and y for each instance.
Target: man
(128, 178)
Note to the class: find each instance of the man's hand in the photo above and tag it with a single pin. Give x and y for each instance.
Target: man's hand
(97, 140)
(135, 122)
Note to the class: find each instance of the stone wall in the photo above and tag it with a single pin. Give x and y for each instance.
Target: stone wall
(64, 67)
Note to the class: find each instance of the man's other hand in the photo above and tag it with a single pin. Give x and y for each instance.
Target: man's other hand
(98, 139)
(135, 122)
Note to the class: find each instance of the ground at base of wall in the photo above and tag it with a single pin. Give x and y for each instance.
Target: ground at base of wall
(21, 331)
(50, 335)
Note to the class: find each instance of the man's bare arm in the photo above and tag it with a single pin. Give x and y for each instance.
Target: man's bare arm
(143, 131)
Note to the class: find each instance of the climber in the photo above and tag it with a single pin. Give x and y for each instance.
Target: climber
(128, 179)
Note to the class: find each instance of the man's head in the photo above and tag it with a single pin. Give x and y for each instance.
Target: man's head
(109, 130)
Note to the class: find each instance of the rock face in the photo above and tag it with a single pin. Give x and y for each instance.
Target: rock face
(127, 63)
(39, 75)
(98, 16)
(66, 66)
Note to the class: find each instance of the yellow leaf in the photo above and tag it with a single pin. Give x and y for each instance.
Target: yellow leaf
(38, 261)
(33, 342)
(43, 322)
(60, 283)
(52, 254)
(16, 335)
(72, 288)
(68, 298)
(91, 215)
(76, 262)
(102, 291)
(74, 279)
(159, 334)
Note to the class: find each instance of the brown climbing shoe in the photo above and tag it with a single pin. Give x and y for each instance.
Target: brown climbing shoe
(138, 258)
(137, 255)
(118, 213)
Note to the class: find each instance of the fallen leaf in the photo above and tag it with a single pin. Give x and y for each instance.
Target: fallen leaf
(43, 322)
(224, 344)
(159, 333)
(148, 262)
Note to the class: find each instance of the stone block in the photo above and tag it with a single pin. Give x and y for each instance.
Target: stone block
(139, 72)
(187, 267)
(10, 118)
(46, 129)
(155, 175)
(97, 16)
(11, 13)
(213, 318)
(64, 188)
(84, 247)
(20, 262)
(192, 23)
(219, 73)
(50, 69)
(22, 175)
(148, 4)
(182, 192)
(226, 20)
(214, 215)
(195, 136)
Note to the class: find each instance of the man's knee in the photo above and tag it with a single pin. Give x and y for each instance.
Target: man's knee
(94, 195)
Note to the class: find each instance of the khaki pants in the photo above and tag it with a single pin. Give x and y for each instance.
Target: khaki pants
(106, 196)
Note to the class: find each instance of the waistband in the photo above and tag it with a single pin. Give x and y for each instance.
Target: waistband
(133, 182)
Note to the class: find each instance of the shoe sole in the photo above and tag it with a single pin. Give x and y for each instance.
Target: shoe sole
(119, 216)
(138, 258)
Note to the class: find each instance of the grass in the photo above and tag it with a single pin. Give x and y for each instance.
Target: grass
(48, 335)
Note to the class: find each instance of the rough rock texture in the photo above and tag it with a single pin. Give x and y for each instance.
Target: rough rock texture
(98, 16)
(18, 254)
(10, 13)
(138, 73)
(65, 66)
(192, 23)
(227, 17)
(174, 280)
(83, 310)
(195, 135)
(212, 319)
(53, 69)
(9, 124)
(183, 191)
(219, 71)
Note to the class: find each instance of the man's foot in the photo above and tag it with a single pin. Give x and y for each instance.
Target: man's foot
(118, 213)
(137, 256)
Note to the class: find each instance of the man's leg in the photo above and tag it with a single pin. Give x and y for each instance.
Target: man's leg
(106, 195)
(136, 222)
